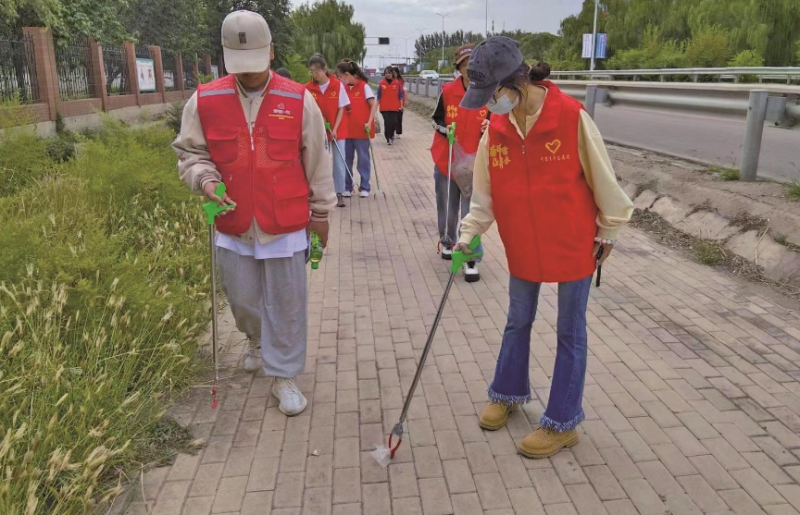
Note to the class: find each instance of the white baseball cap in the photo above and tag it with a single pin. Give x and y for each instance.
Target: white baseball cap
(246, 42)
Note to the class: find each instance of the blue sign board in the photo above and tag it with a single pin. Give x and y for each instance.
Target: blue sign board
(601, 46)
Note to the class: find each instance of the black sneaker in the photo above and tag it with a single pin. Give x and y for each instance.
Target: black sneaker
(471, 274)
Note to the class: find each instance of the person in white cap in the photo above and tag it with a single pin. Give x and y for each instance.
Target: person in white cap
(263, 136)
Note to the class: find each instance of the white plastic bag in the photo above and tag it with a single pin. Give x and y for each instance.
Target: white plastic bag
(462, 169)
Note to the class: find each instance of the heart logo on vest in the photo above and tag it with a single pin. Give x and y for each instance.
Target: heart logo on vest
(553, 146)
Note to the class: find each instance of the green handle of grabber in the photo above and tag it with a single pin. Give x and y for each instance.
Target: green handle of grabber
(459, 258)
(328, 126)
(212, 208)
(369, 135)
(451, 134)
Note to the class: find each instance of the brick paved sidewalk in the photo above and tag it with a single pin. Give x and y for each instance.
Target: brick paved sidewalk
(692, 396)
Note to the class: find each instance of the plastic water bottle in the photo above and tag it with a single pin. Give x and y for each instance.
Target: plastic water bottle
(316, 250)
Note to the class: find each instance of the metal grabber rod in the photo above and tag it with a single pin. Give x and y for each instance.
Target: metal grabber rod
(374, 165)
(212, 209)
(459, 258)
(344, 161)
(451, 139)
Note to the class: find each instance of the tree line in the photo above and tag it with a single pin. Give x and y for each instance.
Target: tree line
(193, 26)
(659, 34)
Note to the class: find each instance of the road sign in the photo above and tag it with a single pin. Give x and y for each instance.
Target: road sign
(383, 41)
(601, 47)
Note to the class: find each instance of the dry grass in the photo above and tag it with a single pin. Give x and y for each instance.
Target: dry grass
(104, 299)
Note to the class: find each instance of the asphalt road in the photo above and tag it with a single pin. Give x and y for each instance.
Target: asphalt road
(705, 138)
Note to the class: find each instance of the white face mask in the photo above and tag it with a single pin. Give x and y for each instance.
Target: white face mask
(503, 105)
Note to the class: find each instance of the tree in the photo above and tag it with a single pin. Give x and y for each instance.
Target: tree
(276, 12)
(426, 43)
(328, 28)
(173, 25)
(535, 46)
(67, 18)
(709, 48)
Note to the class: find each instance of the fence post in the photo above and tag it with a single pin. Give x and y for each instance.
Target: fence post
(179, 78)
(427, 86)
(133, 76)
(591, 99)
(754, 130)
(99, 73)
(158, 63)
(46, 73)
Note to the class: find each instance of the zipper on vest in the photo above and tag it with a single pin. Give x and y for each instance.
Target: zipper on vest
(252, 143)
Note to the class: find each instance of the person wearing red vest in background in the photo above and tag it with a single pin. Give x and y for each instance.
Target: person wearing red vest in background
(263, 136)
(543, 174)
(332, 100)
(399, 77)
(360, 117)
(470, 125)
(390, 97)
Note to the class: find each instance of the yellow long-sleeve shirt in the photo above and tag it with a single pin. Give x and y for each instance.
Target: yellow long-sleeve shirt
(614, 206)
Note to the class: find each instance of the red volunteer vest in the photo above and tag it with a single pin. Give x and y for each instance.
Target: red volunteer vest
(263, 172)
(358, 112)
(468, 125)
(545, 210)
(328, 103)
(390, 95)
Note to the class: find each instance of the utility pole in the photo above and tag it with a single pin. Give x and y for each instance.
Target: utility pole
(421, 31)
(487, 19)
(443, 34)
(594, 34)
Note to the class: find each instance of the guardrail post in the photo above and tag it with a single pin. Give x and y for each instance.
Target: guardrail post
(754, 130)
(591, 98)
(427, 86)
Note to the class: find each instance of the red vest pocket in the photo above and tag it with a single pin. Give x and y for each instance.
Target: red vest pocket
(223, 145)
(290, 195)
(284, 140)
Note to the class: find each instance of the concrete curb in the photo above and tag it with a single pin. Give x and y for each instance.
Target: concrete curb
(779, 262)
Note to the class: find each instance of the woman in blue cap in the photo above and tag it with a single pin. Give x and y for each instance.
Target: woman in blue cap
(543, 174)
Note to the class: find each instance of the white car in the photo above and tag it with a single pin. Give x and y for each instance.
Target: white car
(428, 74)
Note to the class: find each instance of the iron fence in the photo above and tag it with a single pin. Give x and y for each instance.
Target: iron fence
(75, 71)
(115, 62)
(18, 70)
(170, 72)
(144, 53)
(189, 77)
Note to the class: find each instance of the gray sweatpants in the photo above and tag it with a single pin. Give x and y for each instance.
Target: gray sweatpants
(269, 301)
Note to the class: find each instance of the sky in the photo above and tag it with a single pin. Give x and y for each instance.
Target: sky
(398, 19)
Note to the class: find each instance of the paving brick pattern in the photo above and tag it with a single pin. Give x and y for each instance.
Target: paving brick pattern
(692, 396)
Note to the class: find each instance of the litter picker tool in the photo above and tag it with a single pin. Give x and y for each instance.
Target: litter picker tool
(374, 166)
(344, 161)
(451, 139)
(384, 454)
(212, 209)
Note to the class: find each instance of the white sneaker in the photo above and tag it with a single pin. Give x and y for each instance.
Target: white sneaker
(347, 194)
(471, 273)
(363, 194)
(292, 401)
(252, 358)
(447, 254)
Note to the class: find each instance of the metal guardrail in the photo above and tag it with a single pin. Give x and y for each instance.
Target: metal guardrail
(762, 73)
(757, 104)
